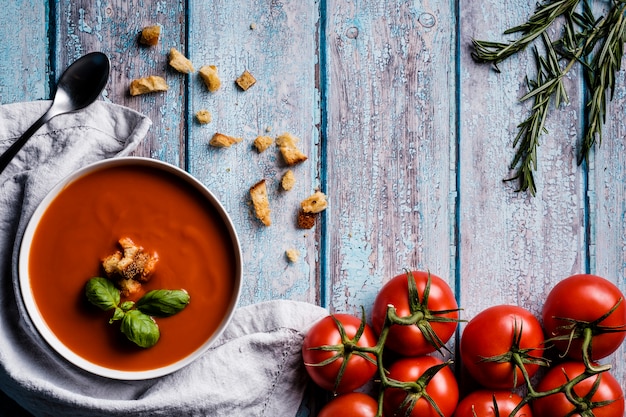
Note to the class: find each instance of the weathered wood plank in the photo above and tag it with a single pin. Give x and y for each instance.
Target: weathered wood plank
(113, 28)
(25, 55)
(514, 247)
(607, 199)
(277, 43)
(390, 145)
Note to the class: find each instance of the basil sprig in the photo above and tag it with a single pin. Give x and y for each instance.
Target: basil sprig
(137, 321)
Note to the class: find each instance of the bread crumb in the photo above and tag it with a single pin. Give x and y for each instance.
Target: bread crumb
(287, 143)
(204, 116)
(306, 220)
(223, 141)
(179, 62)
(150, 35)
(150, 84)
(245, 80)
(263, 142)
(211, 79)
(252, 26)
(315, 203)
(288, 180)
(258, 195)
(292, 255)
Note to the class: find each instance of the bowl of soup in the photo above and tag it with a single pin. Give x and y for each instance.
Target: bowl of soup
(166, 213)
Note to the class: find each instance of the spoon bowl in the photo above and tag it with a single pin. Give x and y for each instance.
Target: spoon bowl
(79, 86)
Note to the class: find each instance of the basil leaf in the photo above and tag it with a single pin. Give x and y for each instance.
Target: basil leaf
(140, 329)
(102, 293)
(127, 305)
(163, 303)
(118, 315)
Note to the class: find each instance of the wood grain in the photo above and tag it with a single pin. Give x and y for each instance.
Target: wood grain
(24, 67)
(277, 43)
(113, 28)
(390, 145)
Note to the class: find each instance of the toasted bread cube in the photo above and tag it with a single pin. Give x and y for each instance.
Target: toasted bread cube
(204, 116)
(245, 80)
(292, 255)
(223, 141)
(263, 142)
(260, 202)
(288, 180)
(150, 35)
(150, 84)
(287, 143)
(315, 203)
(211, 79)
(306, 220)
(179, 62)
(130, 268)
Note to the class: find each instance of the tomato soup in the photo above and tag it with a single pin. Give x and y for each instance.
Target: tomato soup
(157, 210)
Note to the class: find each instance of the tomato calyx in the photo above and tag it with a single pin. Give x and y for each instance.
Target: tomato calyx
(586, 330)
(519, 357)
(415, 390)
(584, 405)
(420, 315)
(345, 349)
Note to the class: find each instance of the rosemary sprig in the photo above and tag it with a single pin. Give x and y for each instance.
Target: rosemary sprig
(597, 44)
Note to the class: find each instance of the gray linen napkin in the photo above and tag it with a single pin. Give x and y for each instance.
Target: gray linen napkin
(253, 369)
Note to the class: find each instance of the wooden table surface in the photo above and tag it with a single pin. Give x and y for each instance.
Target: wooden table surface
(409, 138)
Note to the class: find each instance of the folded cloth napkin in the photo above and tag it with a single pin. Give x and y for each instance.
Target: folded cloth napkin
(253, 369)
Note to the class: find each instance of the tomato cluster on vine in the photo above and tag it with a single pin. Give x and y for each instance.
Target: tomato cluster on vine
(501, 352)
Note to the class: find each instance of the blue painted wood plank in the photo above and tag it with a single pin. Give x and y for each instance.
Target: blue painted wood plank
(390, 145)
(607, 202)
(277, 43)
(24, 49)
(113, 28)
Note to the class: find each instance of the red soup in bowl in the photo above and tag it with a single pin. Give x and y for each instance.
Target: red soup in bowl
(164, 210)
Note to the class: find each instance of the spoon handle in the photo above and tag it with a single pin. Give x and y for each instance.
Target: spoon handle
(8, 155)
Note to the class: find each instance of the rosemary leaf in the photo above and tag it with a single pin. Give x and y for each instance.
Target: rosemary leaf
(596, 44)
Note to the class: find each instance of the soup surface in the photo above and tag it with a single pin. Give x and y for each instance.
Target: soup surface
(160, 212)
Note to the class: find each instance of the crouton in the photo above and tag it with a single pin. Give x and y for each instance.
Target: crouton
(315, 203)
(292, 255)
(211, 79)
(150, 84)
(223, 141)
(245, 80)
(130, 267)
(179, 62)
(288, 180)
(204, 116)
(261, 143)
(150, 35)
(306, 220)
(260, 202)
(287, 143)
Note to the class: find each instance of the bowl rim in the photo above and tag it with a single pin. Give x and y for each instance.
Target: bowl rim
(33, 311)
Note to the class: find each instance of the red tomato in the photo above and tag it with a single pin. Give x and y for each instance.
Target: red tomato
(442, 389)
(358, 369)
(491, 333)
(585, 298)
(353, 404)
(410, 340)
(558, 405)
(480, 404)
